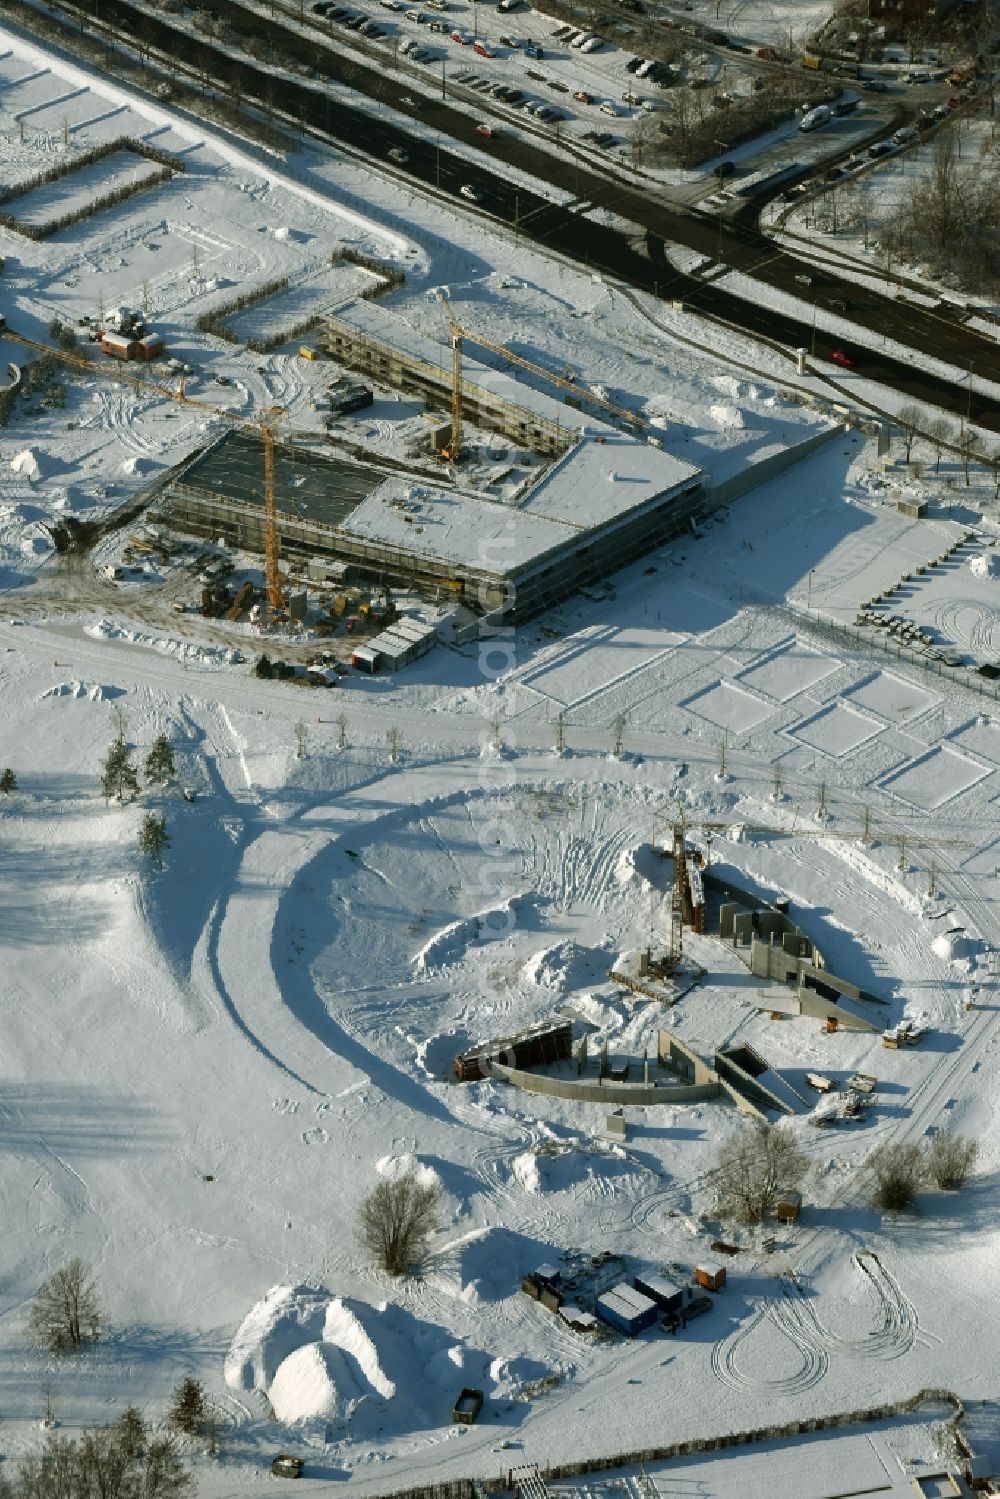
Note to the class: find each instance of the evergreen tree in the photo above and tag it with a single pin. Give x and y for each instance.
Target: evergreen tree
(263, 666)
(118, 777)
(189, 1410)
(154, 838)
(131, 1432)
(160, 760)
(8, 782)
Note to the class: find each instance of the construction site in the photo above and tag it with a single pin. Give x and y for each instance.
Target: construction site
(511, 528)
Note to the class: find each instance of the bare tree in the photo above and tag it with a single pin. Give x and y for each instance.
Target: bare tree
(397, 1219)
(950, 1158)
(66, 1312)
(394, 739)
(756, 1163)
(106, 1461)
(341, 730)
(301, 740)
(894, 1172)
(939, 435)
(908, 419)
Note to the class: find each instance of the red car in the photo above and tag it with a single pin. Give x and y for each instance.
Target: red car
(844, 359)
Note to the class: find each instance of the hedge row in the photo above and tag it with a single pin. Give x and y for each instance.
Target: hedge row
(75, 163)
(95, 205)
(212, 322)
(389, 276)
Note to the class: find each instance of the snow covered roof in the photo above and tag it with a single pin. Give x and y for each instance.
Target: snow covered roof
(606, 474)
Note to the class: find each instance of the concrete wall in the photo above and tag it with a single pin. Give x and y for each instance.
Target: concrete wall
(594, 1092)
(814, 1005)
(767, 468)
(683, 1059)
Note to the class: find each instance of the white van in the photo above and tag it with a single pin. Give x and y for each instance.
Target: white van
(821, 115)
(904, 136)
(582, 39)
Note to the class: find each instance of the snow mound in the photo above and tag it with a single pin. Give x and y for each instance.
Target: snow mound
(566, 966)
(986, 565)
(450, 943)
(955, 946)
(727, 418)
(95, 691)
(342, 1329)
(636, 868)
(392, 1167)
(309, 1353)
(303, 1388)
(26, 464)
(135, 465)
(287, 1318)
(525, 1169)
(727, 385)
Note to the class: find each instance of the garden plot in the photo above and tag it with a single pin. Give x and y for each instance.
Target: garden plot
(73, 193)
(729, 707)
(301, 304)
(836, 730)
(599, 662)
(981, 737)
(787, 671)
(935, 778)
(892, 697)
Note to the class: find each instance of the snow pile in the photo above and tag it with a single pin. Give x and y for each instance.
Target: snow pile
(638, 867)
(525, 1169)
(309, 1353)
(303, 1388)
(26, 464)
(985, 565)
(727, 418)
(95, 692)
(392, 1167)
(287, 1318)
(202, 655)
(450, 943)
(134, 465)
(955, 946)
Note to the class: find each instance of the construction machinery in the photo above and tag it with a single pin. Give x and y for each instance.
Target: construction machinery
(265, 425)
(460, 335)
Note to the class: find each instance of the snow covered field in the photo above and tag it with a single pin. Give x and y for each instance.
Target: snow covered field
(205, 1069)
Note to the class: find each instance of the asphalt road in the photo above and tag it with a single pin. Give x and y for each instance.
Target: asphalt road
(639, 259)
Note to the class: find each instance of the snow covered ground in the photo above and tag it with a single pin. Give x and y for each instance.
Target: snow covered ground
(205, 1069)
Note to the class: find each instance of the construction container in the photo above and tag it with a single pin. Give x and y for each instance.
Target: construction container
(627, 1310)
(711, 1274)
(862, 1082)
(530, 1287)
(150, 347)
(118, 346)
(467, 1406)
(789, 1207)
(363, 658)
(667, 1295)
(550, 1299)
(305, 352)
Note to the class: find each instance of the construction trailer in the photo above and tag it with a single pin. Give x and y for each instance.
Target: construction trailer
(551, 1041)
(668, 1295)
(711, 1274)
(627, 1310)
(118, 345)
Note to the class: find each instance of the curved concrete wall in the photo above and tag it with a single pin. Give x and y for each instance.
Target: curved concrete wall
(607, 1092)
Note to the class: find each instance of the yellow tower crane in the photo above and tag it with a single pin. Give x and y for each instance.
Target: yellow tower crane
(460, 334)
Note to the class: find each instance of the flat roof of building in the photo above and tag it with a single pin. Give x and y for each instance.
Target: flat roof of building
(308, 485)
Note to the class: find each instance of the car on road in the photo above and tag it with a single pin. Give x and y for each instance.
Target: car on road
(875, 86)
(845, 360)
(487, 130)
(471, 192)
(903, 136)
(532, 49)
(397, 154)
(879, 148)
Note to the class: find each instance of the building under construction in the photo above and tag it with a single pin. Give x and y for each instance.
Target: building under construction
(605, 498)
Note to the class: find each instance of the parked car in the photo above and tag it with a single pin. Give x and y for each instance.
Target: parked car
(582, 97)
(841, 357)
(633, 64)
(532, 49)
(879, 148)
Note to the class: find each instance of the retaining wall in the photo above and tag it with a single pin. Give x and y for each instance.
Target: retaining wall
(605, 1092)
(767, 468)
